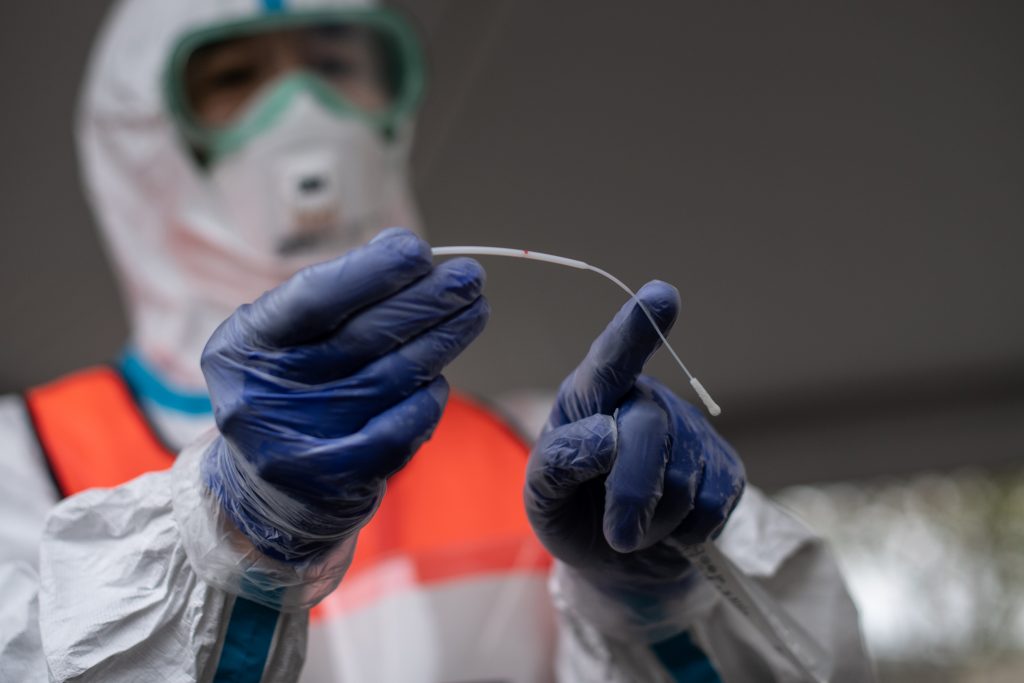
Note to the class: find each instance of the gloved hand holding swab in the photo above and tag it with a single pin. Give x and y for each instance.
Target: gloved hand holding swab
(705, 397)
(785, 636)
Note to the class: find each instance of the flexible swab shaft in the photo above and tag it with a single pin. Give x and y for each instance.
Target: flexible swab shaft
(705, 397)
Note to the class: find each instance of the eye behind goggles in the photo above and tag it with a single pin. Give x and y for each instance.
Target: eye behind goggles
(227, 83)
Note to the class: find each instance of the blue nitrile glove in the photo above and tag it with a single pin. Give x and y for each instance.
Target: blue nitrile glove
(327, 385)
(625, 472)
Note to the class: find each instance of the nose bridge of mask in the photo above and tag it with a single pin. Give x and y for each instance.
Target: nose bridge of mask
(310, 179)
(270, 105)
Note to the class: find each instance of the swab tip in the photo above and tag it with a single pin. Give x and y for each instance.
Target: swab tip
(705, 397)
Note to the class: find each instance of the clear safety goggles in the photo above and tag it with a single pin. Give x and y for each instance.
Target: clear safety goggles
(227, 83)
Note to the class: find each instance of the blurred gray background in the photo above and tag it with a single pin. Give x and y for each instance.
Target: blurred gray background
(836, 189)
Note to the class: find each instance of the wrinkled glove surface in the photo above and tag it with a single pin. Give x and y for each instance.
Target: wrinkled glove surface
(326, 386)
(625, 472)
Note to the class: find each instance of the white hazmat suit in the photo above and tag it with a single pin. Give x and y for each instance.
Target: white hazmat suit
(101, 587)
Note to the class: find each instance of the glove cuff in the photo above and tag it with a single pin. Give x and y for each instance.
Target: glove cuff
(279, 524)
(245, 537)
(633, 613)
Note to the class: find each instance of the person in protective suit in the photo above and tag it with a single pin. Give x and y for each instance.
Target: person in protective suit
(192, 511)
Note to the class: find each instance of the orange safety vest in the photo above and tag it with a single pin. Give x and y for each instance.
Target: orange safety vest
(455, 510)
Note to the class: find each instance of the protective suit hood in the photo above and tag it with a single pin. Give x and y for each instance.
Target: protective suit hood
(183, 262)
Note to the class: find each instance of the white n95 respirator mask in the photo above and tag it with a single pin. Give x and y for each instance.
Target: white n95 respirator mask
(295, 119)
(313, 183)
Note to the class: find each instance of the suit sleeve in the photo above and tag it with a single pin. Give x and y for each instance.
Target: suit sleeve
(794, 568)
(111, 592)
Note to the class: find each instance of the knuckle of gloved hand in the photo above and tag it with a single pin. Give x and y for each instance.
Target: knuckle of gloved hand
(225, 342)
(601, 434)
(713, 521)
(410, 446)
(211, 359)
(258, 404)
(560, 460)
(395, 452)
(708, 528)
(692, 418)
(681, 484)
(407, 370)
(245, 328)
(399, 444)
(606, 374)
(707, 519)
(657, 392)
(232, 413)
(304, 284)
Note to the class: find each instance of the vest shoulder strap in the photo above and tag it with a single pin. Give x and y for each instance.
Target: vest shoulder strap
(92, 432)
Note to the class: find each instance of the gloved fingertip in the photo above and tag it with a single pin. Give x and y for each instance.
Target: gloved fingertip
(405, 242)
(389, 233)
(484, 312)
(439, 390)
(661, 298)
(467, 272)
(623, 528)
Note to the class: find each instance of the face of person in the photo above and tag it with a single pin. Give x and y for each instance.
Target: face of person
(222, 78)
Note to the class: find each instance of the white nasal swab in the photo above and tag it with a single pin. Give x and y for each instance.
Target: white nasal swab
(705, 397)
